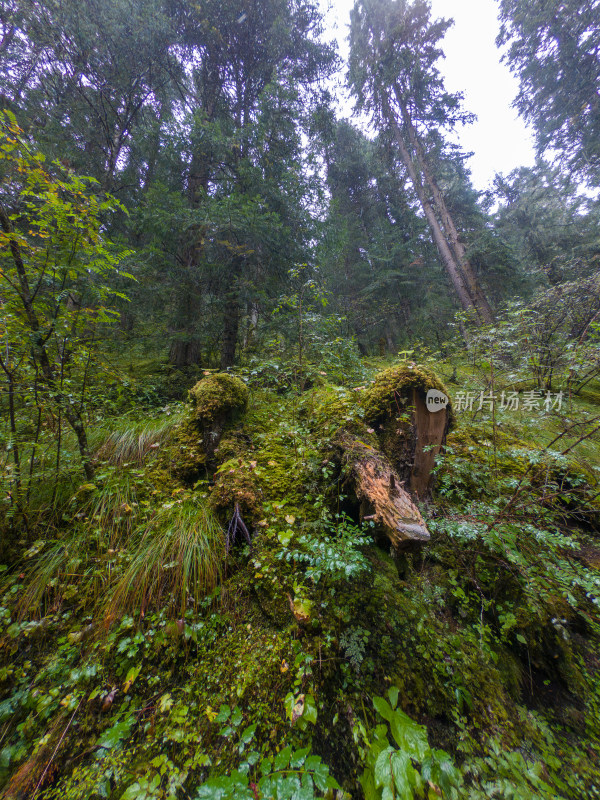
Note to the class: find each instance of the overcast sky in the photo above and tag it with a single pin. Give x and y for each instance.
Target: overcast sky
(499, 139)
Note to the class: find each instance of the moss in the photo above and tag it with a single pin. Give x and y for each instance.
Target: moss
(217, 397)
(328, 408)
(236, 484)
(182, 460)
(381, 400)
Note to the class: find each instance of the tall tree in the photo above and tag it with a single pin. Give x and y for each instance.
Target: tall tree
(253, 71)
(394, 48)
(554, 49)
(84, 75)
(549, 225)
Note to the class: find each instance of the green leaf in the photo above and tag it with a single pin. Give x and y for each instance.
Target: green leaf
(236, 717)
(405, 777)
(312, 762)
(224, 714)
(282, 759)
(440, 770)
(248, 733)
(113, 737)
(285, 537)
(321, 777)
(367, 782)
(383, 769)
(289, 703)
(310, 709)
(383, 708)
(409, 735)
(131, 676)
(265, 766)
(298, 757)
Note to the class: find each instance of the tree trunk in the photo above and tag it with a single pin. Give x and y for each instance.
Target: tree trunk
(231, 327)
(185, 352)
(441, 224)
(383, 498)
(442, 245)
(480, 301)
(76, 423)
(252, 324)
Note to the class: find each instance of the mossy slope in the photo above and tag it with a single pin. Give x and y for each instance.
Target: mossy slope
(490, 633)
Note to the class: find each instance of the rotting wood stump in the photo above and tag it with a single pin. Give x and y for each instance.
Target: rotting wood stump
(216, 400)
(390, 466)
(381, 493)
(411, 433)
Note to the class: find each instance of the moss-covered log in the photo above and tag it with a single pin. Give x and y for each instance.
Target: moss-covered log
(381, 493)
(411, 430)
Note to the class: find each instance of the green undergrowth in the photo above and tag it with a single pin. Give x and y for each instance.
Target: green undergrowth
(149, 650)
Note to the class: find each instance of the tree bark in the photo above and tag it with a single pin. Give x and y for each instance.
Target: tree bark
(477, 294)
(439, 219)
(383, 498)
(438, 236)
(231, 327)
(185, 353)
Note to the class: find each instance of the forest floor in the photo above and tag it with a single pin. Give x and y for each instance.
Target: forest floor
(154, 643)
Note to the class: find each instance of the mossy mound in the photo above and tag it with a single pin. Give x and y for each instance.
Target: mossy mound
(183, 459)
(217, 397)
(381, 399)
(236, 484)
(328, 408)
(488, 634)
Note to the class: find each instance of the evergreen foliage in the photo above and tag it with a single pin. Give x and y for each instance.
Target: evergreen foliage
(198, 598)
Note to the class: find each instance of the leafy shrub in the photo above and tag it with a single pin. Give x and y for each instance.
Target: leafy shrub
(337, 556)
(409, 768)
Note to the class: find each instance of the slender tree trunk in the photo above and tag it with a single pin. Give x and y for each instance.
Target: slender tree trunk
(484, 309)
(252, 311)
(13, 429)
(75, 421)
(438, 236)
(445, 234)
(231, 328)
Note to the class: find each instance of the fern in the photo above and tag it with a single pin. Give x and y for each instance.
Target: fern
(354, 642)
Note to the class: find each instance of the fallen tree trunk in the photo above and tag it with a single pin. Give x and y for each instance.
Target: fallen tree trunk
(381, 493)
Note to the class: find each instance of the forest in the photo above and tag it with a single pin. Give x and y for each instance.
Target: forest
(300, 430)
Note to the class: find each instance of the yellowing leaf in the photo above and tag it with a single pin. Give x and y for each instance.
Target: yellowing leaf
(165, 702)
(130, 678)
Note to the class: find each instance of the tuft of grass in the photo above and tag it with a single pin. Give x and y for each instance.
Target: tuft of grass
(81, 562)
(135, 441)
(175, 560)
